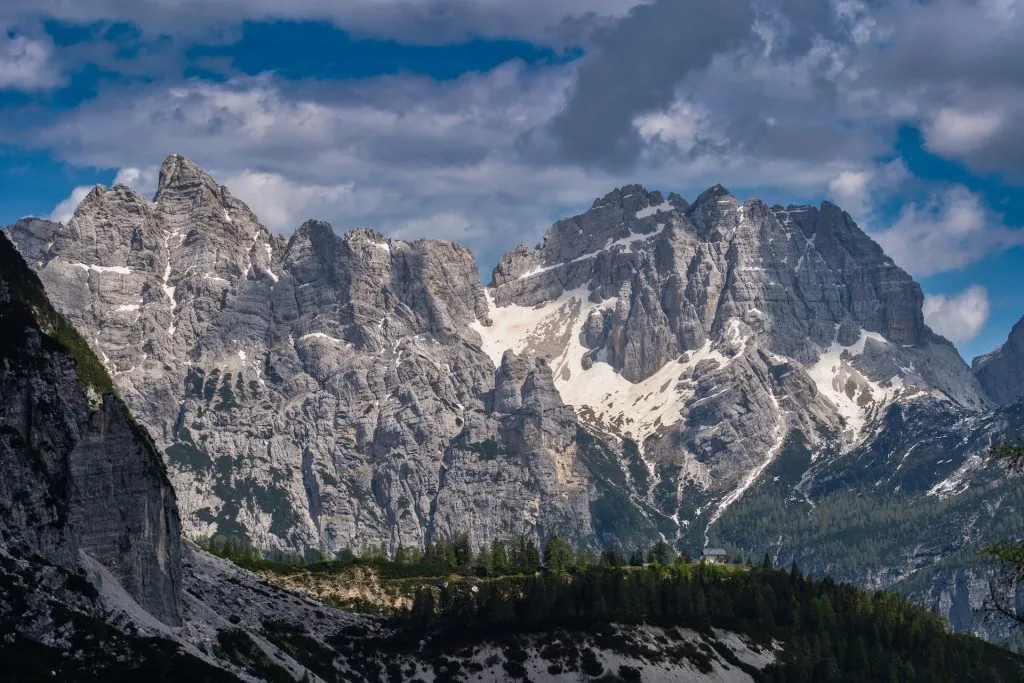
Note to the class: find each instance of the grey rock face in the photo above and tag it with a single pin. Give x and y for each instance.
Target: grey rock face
(793, 274)
(86, 499)
(1001, 373)
(708, 332)
(78, 475)
(324, 392)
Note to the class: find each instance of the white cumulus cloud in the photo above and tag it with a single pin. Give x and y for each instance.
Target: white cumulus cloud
(65, 209)
(850, 190)
(282, 205)
(958, 132)
(960, 317)
(952, 230)
(27, 63)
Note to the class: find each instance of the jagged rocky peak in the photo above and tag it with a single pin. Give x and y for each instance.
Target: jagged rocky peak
(716, 195)
(306, 392)
(341, 390)
(684, 312)
(387, 289)
(618, 219)
(1001, 372)
(718, 260)
(178, 173)
(319, 234)
(186, 194)
(316, 233)
(96, 232)
(146, 281)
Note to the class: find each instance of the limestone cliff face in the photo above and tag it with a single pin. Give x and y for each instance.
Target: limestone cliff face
(321, 392)
(78, 475)
(1001, 372)
(800, 278)
(709, 332)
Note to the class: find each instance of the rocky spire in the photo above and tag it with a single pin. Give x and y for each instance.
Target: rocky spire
(1001, 372)
(178, 173)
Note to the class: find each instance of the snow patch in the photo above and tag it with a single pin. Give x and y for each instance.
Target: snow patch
(652, 210)
(127, 308)
(957, 482)
(119, 270)
(811, 244)
(611, 244)
(855, 397)
(604, 398)
(321, 335)
(168, 290)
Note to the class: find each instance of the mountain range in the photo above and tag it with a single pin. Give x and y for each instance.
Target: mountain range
(716, 373)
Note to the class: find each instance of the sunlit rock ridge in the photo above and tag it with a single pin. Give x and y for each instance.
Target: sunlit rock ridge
(707, 331)
(642, 373)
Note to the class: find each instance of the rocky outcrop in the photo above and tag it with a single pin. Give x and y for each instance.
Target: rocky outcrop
(323, 392)
(335, 391)
(709, 332)
(679, 274)
(1001, 373)
(78, 475)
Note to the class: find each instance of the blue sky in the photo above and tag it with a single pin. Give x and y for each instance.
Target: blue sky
(484, 121)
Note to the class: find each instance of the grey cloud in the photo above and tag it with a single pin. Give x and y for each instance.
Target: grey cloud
(975, 42)
(779, 90)
(814, 81)
(960, 56)
(27, 60)
(634, 68)
(781, 111)
(425, 21)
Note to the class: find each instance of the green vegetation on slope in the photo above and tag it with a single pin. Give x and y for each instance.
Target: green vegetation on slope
(29, 307)
(825, 631)
(828, 631)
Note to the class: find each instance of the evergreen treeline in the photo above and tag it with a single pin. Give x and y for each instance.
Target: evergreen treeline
(829, 631)
(444, 557)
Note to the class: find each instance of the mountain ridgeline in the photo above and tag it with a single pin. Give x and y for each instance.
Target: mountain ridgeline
(96, 583)
(725, 372)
